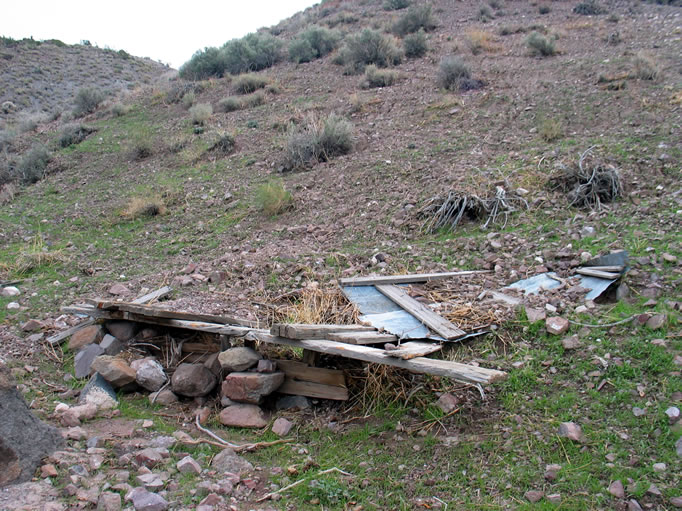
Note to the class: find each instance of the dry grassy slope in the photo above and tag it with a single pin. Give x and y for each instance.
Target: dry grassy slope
(45, 76)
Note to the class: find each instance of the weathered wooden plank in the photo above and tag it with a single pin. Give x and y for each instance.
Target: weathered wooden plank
(362, 337)
(413, 349)
(188, 316)
(303, 372)
(455, 370)
(613, 269)
(405, 279)
(598, 273)
(304, 331)
(435, 322)
(199, 347)
(311, 389)
(154, 295)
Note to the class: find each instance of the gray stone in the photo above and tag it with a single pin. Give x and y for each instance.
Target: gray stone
(164, 397)
(676, 502)
(111, 345)
(122, 330)
(616, 489)
(282, 426)
(193, 380)
(534, 315)
(109, 501)
(251, 387)
(637, 411)
(88, 335)
(188, 465)
(533, 496)
(447, 402)
(238, 359)
(99, 392)
(571, 431)
(571, 343)
(243, 416)
(266, 366)
(656, 321)
(633, 505)
(150, 375)
(147, 501)
(293, 403)
(151, 456)
(673, 414)
(659, 467)
(24, 440)
(213, 365)
(114, 369)
(82, 363)
(10, 291)
(150, 481)
(678, 447)
(119, 290)
(228, 461)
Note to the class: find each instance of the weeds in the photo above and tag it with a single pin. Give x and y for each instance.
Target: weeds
(415, 44)
(248, 83)
(313, 43)
(273, 199)
(31, 168)
(480, 41)
(644, 68)
(36, 256)
(540, 45)
(200, 113)
(369, 47)
(317, 140)
(550, 130)
(87, 100)
(416, 18)
(375, 77)
(139, 207)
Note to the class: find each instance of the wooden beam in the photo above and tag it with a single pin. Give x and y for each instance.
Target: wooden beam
(300, 371)
(598, 273)
(199, 347)
(455, 370)
(361, 337)
(405, 279)
(305, 331)
(413, 349)
(154, 295)
(435, 322)
(310, 389)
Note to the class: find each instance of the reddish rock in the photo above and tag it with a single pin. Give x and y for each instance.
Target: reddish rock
(192, 380)
(447, 402)
(109, 501)
(48, 470)
(656, 321)
(229, 462)
(188, 465)
(571, 431)
(282, 426)
(151, 457)
(533, 496)
(251, 387)
(119, 290)
(556, 325)
(31, 325)
(243, 416)
(114, 370)
(571, 343)
(88, 335)
(616, 489)
(266, 366)
(534, 315)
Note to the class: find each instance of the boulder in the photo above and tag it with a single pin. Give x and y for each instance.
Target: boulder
(251, 387)
(122, 330)
(150, 375)
(24, 440)
(193, 380)
(115, 370)
(228, 461)
(98, 392)
(89, 335)
(111, 345)
(82, 363)
(238, 359)
(243, 416)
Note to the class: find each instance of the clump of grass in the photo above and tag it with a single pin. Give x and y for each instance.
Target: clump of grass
(188, 99)
(200, 113)
(455, 74)
(139, 207)
(32, 166)
(589, 8)
(37, 255)
(141, 148)
(72, 134)
(368, 47)
(248, 83)
(87, 100)
(485, 14)
(119, 109)
(540, 45)
(375, 77)
(550, 130)
(396, 5)
(272, 198)
(415, 44)
(224, 143)
(313, 43)
(230, 104)
(253, 100)
(416, 18)
(479, 41)
(644, 68)
(317, 140)
(316, 306)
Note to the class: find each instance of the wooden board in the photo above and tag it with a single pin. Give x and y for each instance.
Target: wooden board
(598, 273)
(301, 331)
(613, 269)
(199, 347)
(310, 389)
(362, 337)
(412, 349)
(405, 279)
(154, 295)
(455, 370)
(435, 322)
(303, 372)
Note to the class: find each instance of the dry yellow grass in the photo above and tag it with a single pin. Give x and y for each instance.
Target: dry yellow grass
(37, 255)
(144, 206)
(315, 306)
(482, 41)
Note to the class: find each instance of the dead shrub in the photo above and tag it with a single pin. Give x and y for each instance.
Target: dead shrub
(644, 68)
(588, 183)
(139, 207)
(481, 41)
(375, 77)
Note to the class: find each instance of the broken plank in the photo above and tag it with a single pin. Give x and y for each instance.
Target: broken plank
(597, 273)
(362, 337)
(315, 390)
(435, 322)
(405, 279)
(199, 347)
(455, 370)
(154, 295)
(305, 331)
(413, 349)
(303, 372)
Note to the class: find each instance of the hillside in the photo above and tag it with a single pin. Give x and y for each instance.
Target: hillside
(44, 76)
(198, 172)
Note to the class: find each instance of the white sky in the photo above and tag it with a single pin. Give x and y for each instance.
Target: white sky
(167, 31)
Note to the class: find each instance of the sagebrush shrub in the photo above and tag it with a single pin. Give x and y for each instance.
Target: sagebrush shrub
(87, 100)
(204, 64)
(415, 44)
(31, 168)
(119, 109)
(317, 140)
(589, 8)
(252, 52)
(375, 77)
(224, 143)
(188, 99)
(644, 68)
(396, 5)
(540, 45)
(369, 47)
(272, 198)
(200, 113)
(416, 18)
(248, 83)
(72, 134)
(252, 100)
(313, 43)
(452, 71)
(230, 104)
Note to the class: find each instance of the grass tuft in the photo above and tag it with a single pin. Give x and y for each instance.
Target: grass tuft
(140, 207)
(272, 198)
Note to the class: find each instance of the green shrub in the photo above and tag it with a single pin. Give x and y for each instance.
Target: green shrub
(204, 64)
(72, 134)
(200, 113)
(485, 14)
(188, 100)
(248, 83)
(119, 109)
(415, 44)
(31, 168)
(375, 77)
(396, 5)
(87, 100)
(416, 18)
(544, 9)
(8, 173)
(223, 143)
(272, 198)
(313, 43)
(300, 50)
(369, 47)
(252, 100)
(589, 8)
(550, 130)
(317, 140)
(540, 45)
(452, 72)
(252, 52)
(6, 139)
(230, 104)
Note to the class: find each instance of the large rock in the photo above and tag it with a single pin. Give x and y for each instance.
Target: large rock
(114, 369)
(251, 387)
(89, 335)
(150, 375)
(98, 392)
(24, 440)
(193, 380)
(228, 461)
(243, 416)
(238, 359)
(82, 362)
(144, 500)
(122, 330)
